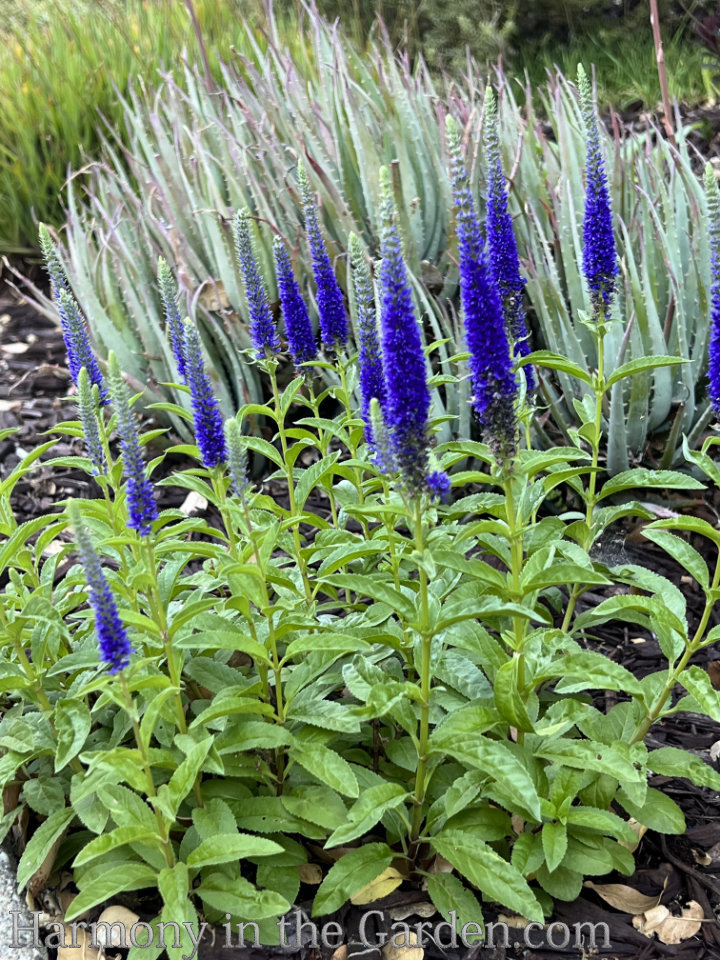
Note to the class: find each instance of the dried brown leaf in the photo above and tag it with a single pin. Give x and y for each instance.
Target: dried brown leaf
(623, 897)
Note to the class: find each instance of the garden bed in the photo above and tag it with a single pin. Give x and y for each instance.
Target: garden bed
(33, 381)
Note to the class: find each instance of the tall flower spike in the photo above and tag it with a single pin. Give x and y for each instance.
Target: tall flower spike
(112, 638)
(494, 385)
(382, 454)
(173, 323)
(77, 342)
(713, 198)
(236, 458)
(331, 307)
(209, 432)
(88, 402)
(52, 262)
(262, 326)
(408, 397)
(298, 327)
(600, 263)
(372, 376)
(140, 500)
(501, 239)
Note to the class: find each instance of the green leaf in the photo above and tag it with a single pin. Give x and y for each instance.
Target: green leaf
(602, 821)
(639, 365)
(680, 550)
(228, 847)
(366, 586)
(338, 643)
(123, 876)
(72, 726)
(351, 873)
(641, 478)
(312, 476)
(508, 699)
(697, 682)
(658, 812)
(367, 811)
(173, 884)
(489, 872)
(589, 670)
(448, 893)
(554, 843)
(555, 361)
(44, 794)
(116, 838)
(329, 767)
(240, 898)
(495, 757)
(590, 755)
(673, 762)
(41, 843)
(171, 795)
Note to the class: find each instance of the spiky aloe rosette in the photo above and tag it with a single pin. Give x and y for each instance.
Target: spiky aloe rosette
(112, 637)
(491, 373)
(713, 198)
(262, 326)
(408, 397)
(600, 262)
(502, 245)
(142, 509)
(330, 303)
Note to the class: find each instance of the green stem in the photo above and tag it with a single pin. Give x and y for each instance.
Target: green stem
(280, 421)
(157, 610)
(145, 762)
(591, 499)
(426, 638)
(690, 650)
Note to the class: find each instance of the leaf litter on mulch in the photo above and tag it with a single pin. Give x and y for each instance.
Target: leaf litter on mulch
(672, 870)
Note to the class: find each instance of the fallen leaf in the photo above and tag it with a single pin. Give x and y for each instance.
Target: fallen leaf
(424, 909)
(624, 898)
(649, 921)
(670, 929)
(676, 929)
(518, 823)
(713, 669)
(378, 888)
(7, 405)
(15, 348)
(310, 873)
(39, 878)
(513, 921)
(116, 917)
(702, 858)
(404, 948)
(83, 950)
(640, 830)
(440, 865)
(341, 953)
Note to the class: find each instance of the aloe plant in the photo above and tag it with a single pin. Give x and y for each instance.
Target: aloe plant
(198, 156)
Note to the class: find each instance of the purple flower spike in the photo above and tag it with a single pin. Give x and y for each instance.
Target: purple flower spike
(140, 499)
(408, 397)
(209, 428)
(173, 323)
(77, 342)
(331, 307)
(112, 638)
(298, 329)
(713, 198)
(58, 280)
(262, 326)
(600, 263)
(372, 376)
(501, 240)
(491, 371)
